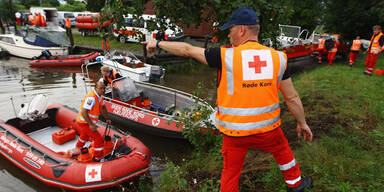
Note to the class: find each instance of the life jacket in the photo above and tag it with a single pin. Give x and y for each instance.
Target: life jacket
(247, 96)
(67, 23)
(375, 43)
(321, 44)
(94, 113)
(356, 45)
(110, 77)
(42, 21)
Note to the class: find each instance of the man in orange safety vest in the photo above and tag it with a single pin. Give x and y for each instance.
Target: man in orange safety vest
(375, 47)
(248, 115)
(355, 48)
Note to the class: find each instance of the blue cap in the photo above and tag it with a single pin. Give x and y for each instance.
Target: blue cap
(242, 16)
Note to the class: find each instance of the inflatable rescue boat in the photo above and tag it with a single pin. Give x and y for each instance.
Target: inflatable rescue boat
(38, 145)
(64, 61)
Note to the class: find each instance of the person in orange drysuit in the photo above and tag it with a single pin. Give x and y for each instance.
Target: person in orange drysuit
(332, 52)
(321, 48)
(375, 47)
(355, 48)
(248, 114)
(91, 106)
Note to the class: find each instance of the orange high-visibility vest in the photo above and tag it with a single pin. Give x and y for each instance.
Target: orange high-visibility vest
(94, 113)
(356, 45)
(110, 77)
(321, 43)
(375, 43)
(247, 96)
(67, 23)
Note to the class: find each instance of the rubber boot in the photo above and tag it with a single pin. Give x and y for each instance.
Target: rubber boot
(84, 156)
(306, 183)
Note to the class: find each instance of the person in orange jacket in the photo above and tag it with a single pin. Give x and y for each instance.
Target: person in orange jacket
(375, 47)
(321, 48)
(109, 75)
(43, 22)
(333, 51)
(248, 114)
(355, 48)
(91, 106)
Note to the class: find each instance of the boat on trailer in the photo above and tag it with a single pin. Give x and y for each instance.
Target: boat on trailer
(30, 145)
(151, 108)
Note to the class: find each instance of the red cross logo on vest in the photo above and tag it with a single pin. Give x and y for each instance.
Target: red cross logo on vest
(257, 64)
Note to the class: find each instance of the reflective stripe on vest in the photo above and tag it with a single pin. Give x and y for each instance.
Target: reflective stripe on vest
(375, 45)
(94, 113)
(247, 99)
(356, 45)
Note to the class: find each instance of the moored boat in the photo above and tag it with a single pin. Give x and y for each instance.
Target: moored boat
(133, 68)
(64, 61)
(150, 108)
(29, 144)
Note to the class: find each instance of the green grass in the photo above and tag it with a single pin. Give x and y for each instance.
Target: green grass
(95, 41)
(345, 110)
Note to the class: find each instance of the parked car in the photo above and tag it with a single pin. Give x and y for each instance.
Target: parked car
(132, 27)
(61, 15)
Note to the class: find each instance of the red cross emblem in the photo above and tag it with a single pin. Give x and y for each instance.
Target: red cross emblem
(92, 173)
(257, 64)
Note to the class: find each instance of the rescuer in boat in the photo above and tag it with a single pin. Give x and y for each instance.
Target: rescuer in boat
(89, 113)
(109, 75)
(249, 123)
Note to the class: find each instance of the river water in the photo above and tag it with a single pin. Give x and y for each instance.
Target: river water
(19, 83)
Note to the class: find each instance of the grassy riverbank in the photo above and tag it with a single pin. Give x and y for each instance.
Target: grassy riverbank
(95, 41)
(345, 110)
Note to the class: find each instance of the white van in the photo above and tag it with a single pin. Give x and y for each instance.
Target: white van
(61, 15)
(50, 14)
(131, 27)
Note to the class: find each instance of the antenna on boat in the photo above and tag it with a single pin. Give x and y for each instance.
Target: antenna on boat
(13, 105)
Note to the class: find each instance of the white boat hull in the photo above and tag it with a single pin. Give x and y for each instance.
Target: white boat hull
(141, 74)
(22, 49)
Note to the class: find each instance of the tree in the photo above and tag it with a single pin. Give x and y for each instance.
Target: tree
(353, 17)
(95, 5)
(307, 14)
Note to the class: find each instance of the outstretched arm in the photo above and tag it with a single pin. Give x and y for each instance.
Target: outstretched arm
(179, 49)
(295, 106)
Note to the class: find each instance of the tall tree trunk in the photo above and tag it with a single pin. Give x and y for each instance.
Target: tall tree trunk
(13, 19)
(2, 26)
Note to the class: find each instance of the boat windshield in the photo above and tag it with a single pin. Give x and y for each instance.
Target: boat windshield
(290, 31)
(125, 90)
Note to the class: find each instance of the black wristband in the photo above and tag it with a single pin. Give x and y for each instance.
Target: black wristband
(157, 44)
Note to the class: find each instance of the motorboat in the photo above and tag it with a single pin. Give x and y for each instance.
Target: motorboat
(153, 108)
(64, 60)
(130, 66)
(33, 40)
(37, 144)
(294, 41)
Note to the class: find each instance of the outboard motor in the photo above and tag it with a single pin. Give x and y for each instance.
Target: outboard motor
(34, 109)
(157, 73)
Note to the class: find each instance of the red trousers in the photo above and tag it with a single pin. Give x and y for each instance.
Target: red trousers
(352, 57)
(105, 43)
(86, 134)
(321, 52)
(331, 56)
(370, 62)
(234, 150)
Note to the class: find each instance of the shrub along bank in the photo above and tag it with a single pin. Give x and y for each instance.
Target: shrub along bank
(345, 110)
